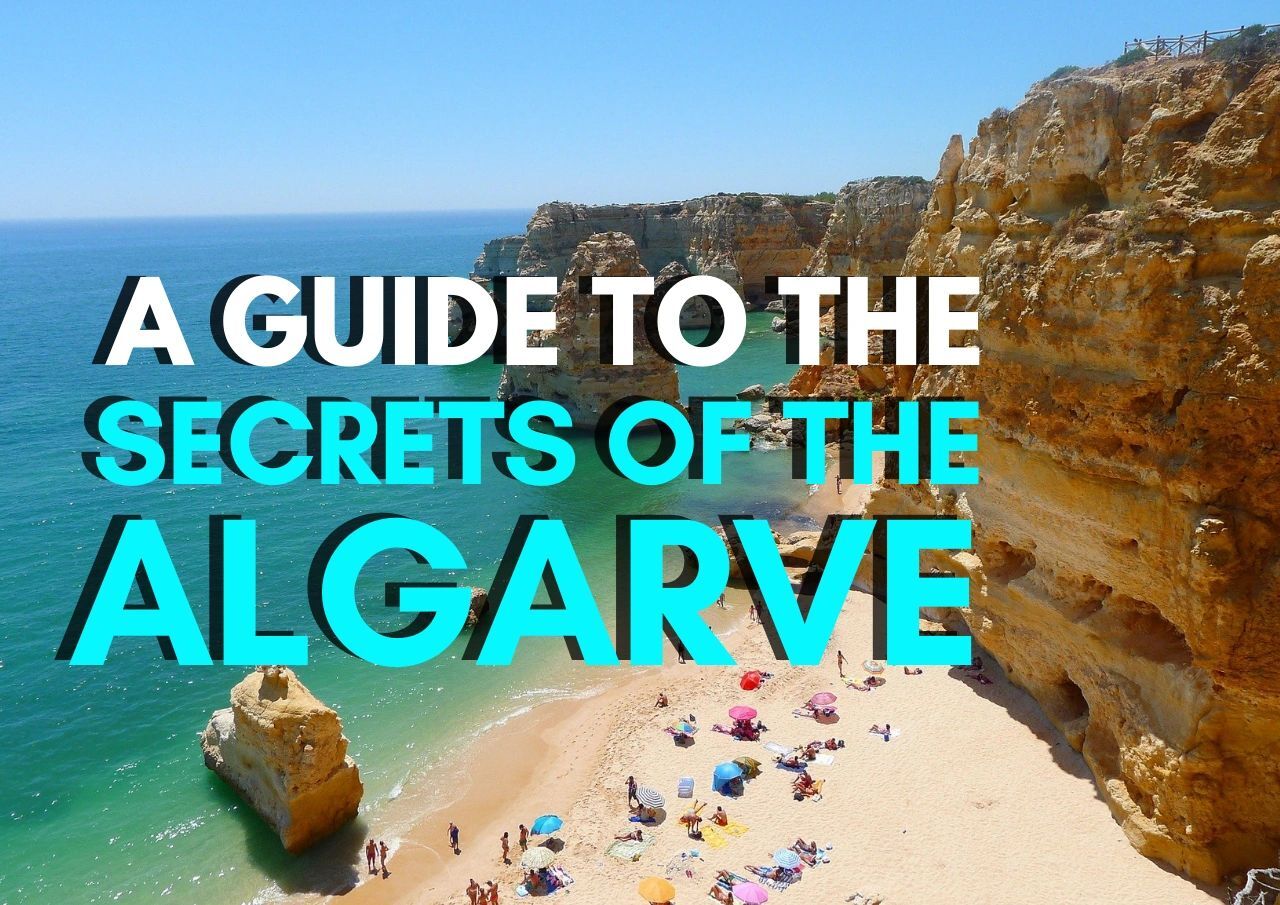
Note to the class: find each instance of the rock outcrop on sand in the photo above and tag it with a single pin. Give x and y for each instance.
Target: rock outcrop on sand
(1125, 224)
(284, 752)
(740, 238)
(580, 382)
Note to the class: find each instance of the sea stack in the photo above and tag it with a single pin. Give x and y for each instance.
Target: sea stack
(283, 751)
(580, 381)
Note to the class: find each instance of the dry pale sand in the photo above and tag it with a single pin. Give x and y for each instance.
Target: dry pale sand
(979, 800)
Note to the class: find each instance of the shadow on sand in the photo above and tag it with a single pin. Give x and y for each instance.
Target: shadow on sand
(1023, 707)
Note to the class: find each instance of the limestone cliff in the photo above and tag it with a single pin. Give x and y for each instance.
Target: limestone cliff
(580, 381)
(1124, 223)
(740, 238)
(870, 229)
(284, 752)
(498, 258)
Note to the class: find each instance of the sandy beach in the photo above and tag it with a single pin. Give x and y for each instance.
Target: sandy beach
(976, 798)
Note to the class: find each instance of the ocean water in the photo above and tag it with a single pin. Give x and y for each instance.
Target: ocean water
(103, 791)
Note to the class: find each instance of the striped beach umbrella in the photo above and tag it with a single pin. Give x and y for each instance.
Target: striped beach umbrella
(785, 857)
(650, 798)
(537, 858)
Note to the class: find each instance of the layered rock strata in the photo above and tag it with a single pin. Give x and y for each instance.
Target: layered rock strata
(1125, 224)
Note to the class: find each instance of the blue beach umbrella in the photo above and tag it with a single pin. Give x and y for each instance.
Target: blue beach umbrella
(785, 857)
(547, 823)
(725, 774)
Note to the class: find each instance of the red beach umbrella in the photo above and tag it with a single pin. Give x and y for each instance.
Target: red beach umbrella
(751, 680)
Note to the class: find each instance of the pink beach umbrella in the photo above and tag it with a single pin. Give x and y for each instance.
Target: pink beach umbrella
(823, 699)
(742, 712)
(750, 893)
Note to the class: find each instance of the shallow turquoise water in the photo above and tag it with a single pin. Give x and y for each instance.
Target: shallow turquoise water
(104, 794)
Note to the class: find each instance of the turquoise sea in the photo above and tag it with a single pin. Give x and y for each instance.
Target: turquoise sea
(104, 794)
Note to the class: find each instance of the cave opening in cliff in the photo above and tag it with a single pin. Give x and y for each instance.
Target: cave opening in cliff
(1066, 702)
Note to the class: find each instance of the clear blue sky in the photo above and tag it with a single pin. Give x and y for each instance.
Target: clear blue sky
(115, 109)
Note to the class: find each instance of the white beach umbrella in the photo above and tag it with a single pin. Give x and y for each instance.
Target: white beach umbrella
(538, 858)
(650, 798)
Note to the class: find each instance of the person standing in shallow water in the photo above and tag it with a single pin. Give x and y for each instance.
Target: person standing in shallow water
(382, 853)
(453, 839)
(369, 855)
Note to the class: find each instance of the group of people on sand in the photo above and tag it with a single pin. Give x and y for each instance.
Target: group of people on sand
(482, 895)
(375, 852)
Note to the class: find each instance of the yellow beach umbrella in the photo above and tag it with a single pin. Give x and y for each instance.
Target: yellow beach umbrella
(655, 890)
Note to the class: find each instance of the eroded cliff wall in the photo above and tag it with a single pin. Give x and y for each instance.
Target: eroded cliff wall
(740, 238)
(580, 381)
(1125, 227)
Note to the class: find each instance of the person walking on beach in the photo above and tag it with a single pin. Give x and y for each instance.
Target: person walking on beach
(631, 791)
(840, 662)
(506, 848)
(370, 852)
(524, 838)
(474, 892)
(755, 613)
(382, 854)
(453, 840)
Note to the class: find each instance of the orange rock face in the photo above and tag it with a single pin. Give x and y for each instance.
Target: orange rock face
(283, 751)
(1125, 224)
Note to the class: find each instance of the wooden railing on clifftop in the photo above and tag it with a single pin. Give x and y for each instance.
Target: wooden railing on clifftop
(1186, 45)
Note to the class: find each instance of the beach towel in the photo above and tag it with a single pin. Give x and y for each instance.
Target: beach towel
(684, 863)
(628, 849)
(733, 828)
(825, 760)
(712, 835)
(685, 788)
(788, 877)
(733, 880)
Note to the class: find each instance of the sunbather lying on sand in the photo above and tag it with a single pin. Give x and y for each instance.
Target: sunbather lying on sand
(769, 873)
(876, 730)
(832, 744)
(980, 678)
(975, 666)
(793, 761)
(720, 894)
(637, 834)
(908, 671)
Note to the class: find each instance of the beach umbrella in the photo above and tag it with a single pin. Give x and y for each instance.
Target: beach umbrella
(750, 893)
(656, 889)
(750, 766)
(750, 681)
(537, 858)
(724, 774)
(650, 798)
(742, 712)
(822, 699)
(785, 857)
(547, 823)
(684, 728)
